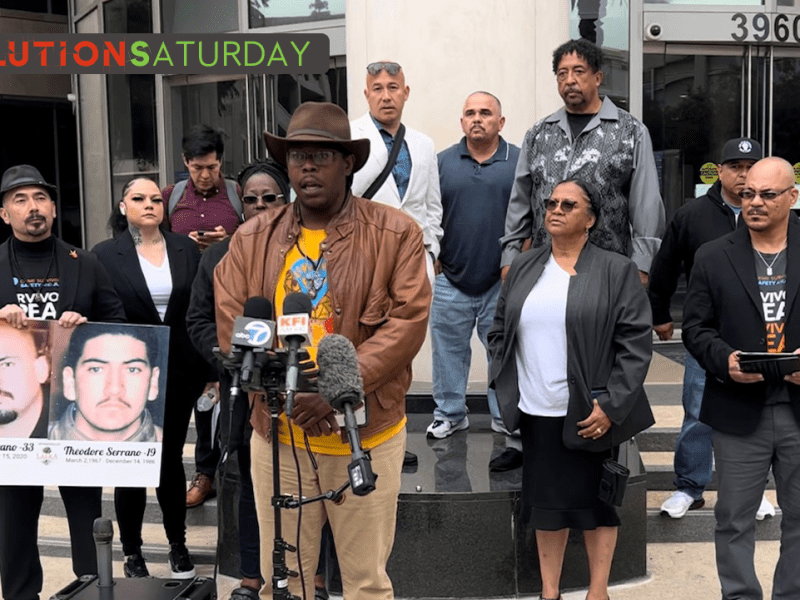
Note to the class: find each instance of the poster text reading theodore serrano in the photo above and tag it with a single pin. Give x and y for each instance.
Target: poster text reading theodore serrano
(278, 53)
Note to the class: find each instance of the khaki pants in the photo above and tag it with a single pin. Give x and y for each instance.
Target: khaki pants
(363, 527)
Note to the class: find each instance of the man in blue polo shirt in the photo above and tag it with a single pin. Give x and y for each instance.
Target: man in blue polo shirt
(475, 176)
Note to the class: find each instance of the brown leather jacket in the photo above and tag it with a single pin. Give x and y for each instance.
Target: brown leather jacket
(378, 287)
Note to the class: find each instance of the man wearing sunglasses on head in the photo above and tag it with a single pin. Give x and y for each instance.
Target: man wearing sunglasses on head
(742, 297)
(408, 178)
(716, 213)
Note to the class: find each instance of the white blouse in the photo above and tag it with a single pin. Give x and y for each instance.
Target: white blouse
(541, 346)
(159, 282)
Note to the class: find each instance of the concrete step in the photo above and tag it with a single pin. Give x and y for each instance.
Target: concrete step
(204, 515)
(698, 525)
(200, 540)
(661, 474)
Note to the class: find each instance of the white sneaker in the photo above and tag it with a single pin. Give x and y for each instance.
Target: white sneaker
(498, 428)
(441, 429)
(679, 503)
(765, 509)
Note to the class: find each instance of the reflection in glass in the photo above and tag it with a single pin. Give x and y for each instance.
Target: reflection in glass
(269, 13)
(785, 125)
(293, 90)
(692, 106)
(605, 23)
(222, 105)
(199, 16)
(131, 103)
(257, 113)
(131, 129)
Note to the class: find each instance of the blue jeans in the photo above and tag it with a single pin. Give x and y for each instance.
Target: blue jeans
(454, 314)
(693, 455)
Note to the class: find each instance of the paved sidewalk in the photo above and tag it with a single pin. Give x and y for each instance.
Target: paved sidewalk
(675, 571)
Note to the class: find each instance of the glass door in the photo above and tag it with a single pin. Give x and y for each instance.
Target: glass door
(222, 103)
(695, 98)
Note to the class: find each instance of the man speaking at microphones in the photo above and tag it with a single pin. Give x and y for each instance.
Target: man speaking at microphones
(362, 266)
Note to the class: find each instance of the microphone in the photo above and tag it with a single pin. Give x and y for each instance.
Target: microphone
(253, 334)
(340, 384)
(293, 330)
(103, 532)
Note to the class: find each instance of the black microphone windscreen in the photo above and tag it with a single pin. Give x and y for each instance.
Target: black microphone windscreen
(297, 303)
(339, 378)
(258, 307)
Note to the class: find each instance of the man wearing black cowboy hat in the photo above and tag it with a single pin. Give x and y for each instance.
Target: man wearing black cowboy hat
(41, 277)
(363, 266)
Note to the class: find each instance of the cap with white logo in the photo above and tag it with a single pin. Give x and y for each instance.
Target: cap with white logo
(741, 149)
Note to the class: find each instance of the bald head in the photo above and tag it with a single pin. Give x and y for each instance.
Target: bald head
(489, 95)
(768, 196)
(774, 167)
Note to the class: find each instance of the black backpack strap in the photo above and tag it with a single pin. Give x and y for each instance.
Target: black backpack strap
(398, 143)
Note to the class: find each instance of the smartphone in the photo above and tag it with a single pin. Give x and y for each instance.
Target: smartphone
(201, 233)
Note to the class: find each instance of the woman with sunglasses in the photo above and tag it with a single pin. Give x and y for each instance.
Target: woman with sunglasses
(264, 183)
(571, 344)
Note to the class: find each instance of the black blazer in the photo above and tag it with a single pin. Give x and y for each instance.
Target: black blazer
(723, 313)
(119, 256)
(84, 285)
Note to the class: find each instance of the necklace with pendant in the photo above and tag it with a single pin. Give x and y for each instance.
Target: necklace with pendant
(774, 258)
(314, 280)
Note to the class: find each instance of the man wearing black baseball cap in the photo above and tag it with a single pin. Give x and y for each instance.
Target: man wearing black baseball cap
(699, 221)
(42, 277)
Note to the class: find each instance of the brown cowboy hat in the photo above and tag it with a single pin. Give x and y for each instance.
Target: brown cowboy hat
(320, 122)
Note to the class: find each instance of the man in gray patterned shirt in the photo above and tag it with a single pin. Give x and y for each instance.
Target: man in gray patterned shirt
(591, 138)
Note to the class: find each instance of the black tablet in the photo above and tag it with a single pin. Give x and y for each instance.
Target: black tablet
(769, 364)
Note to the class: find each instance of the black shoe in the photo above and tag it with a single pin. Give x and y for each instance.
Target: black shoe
(511, 458)
(180, 562)
(410, 459)
(135, 566)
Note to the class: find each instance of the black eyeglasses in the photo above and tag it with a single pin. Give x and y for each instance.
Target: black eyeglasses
(392, 68)
(567, 206)
(320, 158)
(268, 198)
(765, 195)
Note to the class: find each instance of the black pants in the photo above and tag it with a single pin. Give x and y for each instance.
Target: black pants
(20, 568)
(130, 503)
(235, 431)
(206, 450)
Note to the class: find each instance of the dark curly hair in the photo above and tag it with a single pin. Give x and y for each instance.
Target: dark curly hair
(583, 48)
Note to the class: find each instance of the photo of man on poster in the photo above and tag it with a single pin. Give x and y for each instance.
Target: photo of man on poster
(24, 371)
(110, 378)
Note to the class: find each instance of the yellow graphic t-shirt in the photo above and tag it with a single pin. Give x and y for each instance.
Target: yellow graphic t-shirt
(305, 270)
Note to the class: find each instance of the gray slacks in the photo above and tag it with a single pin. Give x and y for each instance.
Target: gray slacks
(743, 463)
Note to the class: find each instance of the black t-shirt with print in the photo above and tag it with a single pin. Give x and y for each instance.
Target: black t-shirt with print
(771, 275)
(35, 270)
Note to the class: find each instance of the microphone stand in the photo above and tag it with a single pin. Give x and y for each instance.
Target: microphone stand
(280, 572)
